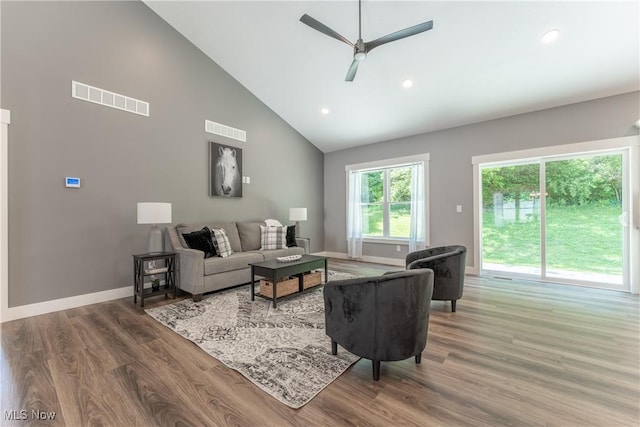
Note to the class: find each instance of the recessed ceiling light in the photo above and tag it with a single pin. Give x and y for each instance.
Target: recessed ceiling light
(407, 84)
(324, 111)
(550, 36)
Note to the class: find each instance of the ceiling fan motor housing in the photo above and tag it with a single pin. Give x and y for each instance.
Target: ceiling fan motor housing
(359, 51)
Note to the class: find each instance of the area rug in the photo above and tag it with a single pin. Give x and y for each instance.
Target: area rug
(284, 351)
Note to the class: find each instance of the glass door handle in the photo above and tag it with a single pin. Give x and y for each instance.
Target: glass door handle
(624, 219)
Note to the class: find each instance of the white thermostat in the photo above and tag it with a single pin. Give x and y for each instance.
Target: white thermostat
(72, 182)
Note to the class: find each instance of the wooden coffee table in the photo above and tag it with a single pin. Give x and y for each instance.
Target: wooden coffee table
(276, 270)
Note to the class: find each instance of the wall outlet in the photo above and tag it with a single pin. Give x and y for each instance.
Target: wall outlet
(397, 248)
(459, 208)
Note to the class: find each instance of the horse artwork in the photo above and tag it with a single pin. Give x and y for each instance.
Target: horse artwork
(225, 170)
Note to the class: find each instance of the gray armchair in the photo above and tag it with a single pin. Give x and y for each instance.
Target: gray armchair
(384, 318)
(448, 264)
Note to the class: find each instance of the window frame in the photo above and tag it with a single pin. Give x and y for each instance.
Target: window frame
(387, 165)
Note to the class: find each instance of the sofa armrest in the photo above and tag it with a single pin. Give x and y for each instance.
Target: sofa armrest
(305, 243)
(434, 253)
(424, 253)
(427, 261)
(190, 270)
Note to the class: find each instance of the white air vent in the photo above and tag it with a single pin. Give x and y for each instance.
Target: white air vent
(224, 130)
(109, 99)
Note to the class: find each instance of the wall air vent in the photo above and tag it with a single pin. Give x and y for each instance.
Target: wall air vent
(224, 130)
(109, 99)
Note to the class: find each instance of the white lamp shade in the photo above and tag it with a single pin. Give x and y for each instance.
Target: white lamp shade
(154, 213)
(297, 214)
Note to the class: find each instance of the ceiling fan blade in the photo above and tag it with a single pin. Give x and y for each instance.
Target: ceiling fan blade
(319, 26)
(407, 32)
(351, 74)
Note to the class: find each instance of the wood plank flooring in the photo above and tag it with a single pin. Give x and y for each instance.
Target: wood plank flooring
(515, 353)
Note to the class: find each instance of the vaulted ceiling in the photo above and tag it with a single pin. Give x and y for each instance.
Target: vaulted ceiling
(482, 60)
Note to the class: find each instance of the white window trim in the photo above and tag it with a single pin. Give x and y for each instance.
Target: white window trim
(632, 143)
(5, 121)
(386, 163)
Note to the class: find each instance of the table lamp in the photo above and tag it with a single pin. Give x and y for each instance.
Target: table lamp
(154, 213)
(297, 215)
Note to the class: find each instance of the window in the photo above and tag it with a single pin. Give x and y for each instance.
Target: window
(386, 202)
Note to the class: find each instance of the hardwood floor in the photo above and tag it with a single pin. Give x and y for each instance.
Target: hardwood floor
(514, 353)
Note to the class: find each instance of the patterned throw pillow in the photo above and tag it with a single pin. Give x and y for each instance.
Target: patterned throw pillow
(272, 223)
(221, 242)
(273, 237)
(291, 236)
(201, 240)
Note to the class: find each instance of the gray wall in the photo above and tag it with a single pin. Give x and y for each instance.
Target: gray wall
(66, 242)
(450, 169)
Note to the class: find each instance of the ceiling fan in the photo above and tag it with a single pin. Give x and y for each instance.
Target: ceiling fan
(361, 48)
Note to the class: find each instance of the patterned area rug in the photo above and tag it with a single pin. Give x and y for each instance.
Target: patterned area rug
(284, 351)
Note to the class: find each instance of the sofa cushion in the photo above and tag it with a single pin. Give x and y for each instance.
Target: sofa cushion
(229, 227)
(249, 235)
(236, 261)
(270, 254)
(273, 237)
(201, 240)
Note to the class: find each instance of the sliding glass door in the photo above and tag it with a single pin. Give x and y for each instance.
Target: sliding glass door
(511, 218)
(583, 233)
(557, 218)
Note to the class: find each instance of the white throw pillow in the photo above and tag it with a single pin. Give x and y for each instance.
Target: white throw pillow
(272, 223)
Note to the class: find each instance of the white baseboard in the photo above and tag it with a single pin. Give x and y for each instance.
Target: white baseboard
(29, 310)
(13, 313)
(469, 269)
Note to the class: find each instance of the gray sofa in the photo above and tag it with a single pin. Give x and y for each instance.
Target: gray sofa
(198, 275)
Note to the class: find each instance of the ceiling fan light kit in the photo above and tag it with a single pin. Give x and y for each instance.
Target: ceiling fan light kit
(360, 47)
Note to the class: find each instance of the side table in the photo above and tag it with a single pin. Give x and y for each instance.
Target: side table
(140, 272)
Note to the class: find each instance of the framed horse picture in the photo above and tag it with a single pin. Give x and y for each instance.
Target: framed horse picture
(225, 170)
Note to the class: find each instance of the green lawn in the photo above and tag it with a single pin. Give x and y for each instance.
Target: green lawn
(399, 221)
(585, 239)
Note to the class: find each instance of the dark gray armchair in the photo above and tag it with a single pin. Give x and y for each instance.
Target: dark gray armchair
(383, 318)
(448, 264)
